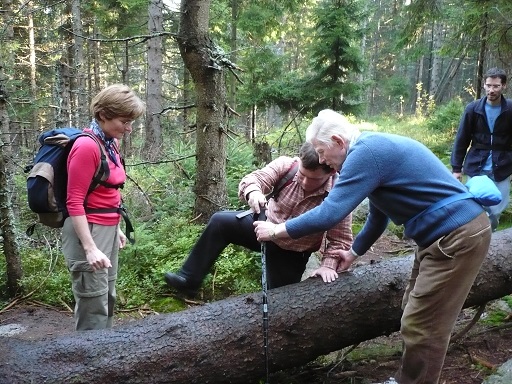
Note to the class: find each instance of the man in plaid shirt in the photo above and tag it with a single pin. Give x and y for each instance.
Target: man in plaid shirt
(285, 258)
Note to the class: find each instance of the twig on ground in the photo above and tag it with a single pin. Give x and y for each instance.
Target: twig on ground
(41, 304)
(346, 374)
(495, 328)
(341, 357)
(473, 321)
(66, 306)
(478, 360)
(184, 299)
(10, 305)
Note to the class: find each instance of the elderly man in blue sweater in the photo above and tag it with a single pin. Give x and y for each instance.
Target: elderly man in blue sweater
(406, 183)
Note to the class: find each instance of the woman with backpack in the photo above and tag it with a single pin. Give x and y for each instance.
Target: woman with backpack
(91, 235)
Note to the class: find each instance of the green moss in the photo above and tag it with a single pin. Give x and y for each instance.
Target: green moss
(168, 304)
(375, 351)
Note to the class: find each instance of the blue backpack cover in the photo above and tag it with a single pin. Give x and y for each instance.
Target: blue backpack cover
(484, 190)
(480, 188)
(47, 180)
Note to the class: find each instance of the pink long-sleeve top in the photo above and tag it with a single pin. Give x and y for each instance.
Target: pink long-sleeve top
(83, 161)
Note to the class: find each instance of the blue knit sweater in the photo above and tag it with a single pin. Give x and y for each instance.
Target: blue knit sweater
(401, 177)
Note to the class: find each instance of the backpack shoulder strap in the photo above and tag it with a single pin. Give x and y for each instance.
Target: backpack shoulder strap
(102, 172)
(118, 151)
(284, 181)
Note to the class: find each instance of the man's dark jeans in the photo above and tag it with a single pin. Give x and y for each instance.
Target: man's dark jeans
(224, 228)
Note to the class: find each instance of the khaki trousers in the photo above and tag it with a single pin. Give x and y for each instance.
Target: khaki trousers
(441, 278)
(94, 291)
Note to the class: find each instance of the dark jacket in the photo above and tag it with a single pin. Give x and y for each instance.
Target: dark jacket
(474, 133)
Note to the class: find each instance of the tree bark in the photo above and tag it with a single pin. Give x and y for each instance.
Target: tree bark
(153, 143)
(206, 62)
(34, 123)
(81, 111)
(441, 92)
(436, 63)
(222, 342)
(8, 233)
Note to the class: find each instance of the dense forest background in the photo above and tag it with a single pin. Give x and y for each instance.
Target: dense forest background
(228, 85)
(278, 59)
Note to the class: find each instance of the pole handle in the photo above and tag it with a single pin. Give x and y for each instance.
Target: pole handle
(262, 215)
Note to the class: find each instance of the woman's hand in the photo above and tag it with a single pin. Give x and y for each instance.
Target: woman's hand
(97, 259)
(122, 238)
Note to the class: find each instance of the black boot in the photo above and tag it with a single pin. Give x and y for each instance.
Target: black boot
(181, 284)
(224, 228)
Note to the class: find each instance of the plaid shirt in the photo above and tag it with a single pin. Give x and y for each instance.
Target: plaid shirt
(292, 202)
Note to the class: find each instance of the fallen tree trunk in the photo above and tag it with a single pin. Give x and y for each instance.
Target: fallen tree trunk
(222, 342)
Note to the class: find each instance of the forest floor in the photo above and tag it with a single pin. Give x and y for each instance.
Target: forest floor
(469, 360)
(477, 354)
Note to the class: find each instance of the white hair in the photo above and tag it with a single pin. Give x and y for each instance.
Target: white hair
(329, 123)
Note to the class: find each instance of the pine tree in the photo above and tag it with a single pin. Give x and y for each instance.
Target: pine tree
(336, 55)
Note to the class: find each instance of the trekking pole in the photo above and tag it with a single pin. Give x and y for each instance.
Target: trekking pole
(262, 217)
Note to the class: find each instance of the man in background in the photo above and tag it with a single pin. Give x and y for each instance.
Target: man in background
(486, 129)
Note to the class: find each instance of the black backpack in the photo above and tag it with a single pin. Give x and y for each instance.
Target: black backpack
(47, 179)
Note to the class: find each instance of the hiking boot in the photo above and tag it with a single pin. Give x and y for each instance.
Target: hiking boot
(180, 284)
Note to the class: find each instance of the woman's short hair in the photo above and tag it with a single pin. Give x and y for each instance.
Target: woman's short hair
(117, 100)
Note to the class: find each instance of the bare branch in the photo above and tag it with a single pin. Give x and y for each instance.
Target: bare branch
(142, 38)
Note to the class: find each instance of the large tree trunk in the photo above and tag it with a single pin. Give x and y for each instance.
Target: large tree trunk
(153, 143)
(436, 62)
(81, 110)
(205, 62)
(484, 37)
(8, 236)
(222, 342)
